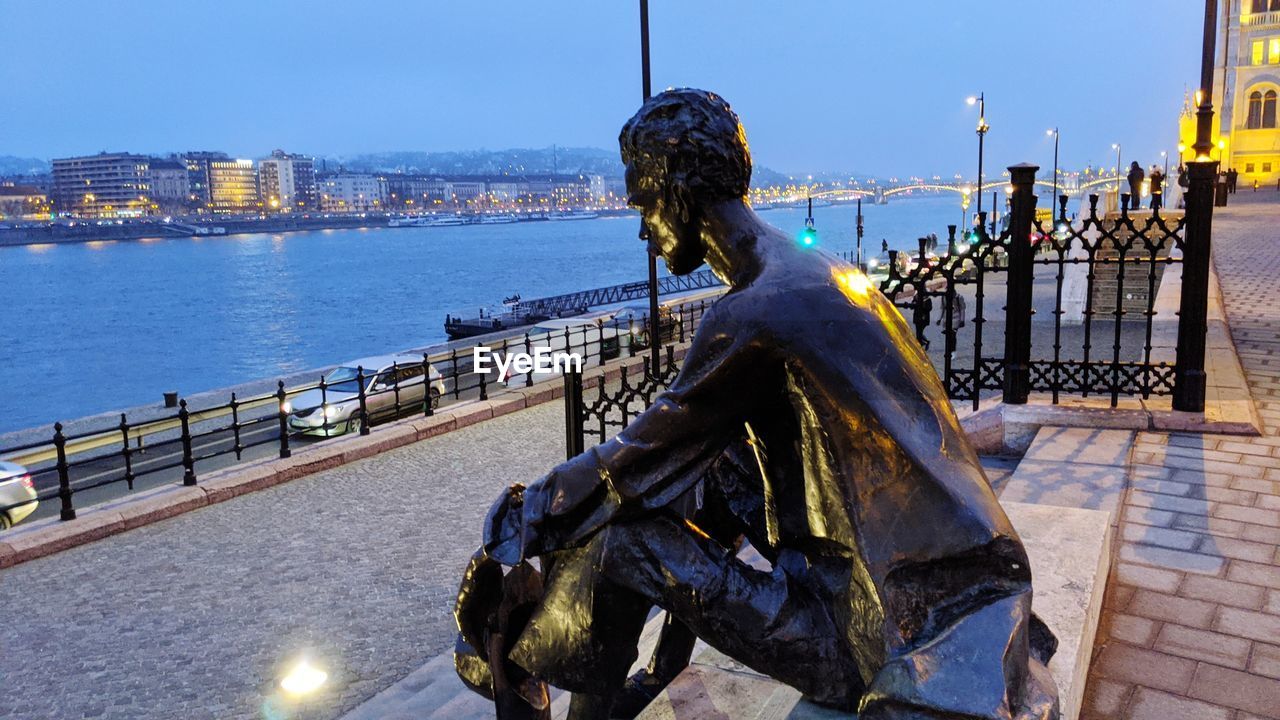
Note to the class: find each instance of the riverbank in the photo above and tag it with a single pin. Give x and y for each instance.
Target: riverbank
(84, 232)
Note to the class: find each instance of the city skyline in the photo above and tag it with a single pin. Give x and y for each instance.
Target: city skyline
(397, 80)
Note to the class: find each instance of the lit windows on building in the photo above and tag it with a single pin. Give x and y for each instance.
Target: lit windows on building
(233, 187)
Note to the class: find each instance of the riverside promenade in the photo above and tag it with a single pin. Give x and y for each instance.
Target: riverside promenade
(197, 616)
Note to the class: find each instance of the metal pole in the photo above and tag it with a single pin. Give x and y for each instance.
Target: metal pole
(655, 339)
(1119, 149)
(982, 131)
(1017, 329)
(1189, 373)
(860, 265)
(1055, 174)
(1204, 114)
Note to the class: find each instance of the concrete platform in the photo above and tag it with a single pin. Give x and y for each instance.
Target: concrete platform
(1070, 559)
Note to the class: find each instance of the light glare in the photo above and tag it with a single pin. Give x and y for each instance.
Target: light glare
(303, 679)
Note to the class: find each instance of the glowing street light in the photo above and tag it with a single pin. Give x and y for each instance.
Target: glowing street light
(1116, 147)
(1053, 204)
(983, 127)
(303, 679)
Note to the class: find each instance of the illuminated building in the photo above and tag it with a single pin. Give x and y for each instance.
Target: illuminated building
(106, 185)
(350, 192)
(287, 182)
(1246, 87)
(233, 187)
(198, 176)
(21, 202)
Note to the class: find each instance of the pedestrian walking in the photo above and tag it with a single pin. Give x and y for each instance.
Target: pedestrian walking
(1232, 176)
(1136, 177)
(1157, 188)
(957, 313)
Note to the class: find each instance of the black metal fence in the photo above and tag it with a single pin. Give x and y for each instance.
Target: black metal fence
(1095, 280)
(116, 455)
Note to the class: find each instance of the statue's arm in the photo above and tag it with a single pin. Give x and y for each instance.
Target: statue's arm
(656, 458)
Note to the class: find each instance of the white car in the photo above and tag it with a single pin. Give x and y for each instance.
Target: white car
(17, 494)
(336, 410)
(593, 338)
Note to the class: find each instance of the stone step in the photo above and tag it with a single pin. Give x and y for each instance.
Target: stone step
(1070, 557)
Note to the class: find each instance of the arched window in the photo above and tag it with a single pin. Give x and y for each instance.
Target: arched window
(1269, 109)
(1254, 120)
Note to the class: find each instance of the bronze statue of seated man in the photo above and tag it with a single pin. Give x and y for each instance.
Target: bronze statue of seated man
(805, 406)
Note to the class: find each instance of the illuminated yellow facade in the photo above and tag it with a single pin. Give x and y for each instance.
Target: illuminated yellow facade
(1246, 90)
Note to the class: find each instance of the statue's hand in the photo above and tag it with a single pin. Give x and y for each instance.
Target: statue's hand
(504, 527)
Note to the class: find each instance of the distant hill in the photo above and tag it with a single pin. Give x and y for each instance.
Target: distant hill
(10, 165)
(514, 161)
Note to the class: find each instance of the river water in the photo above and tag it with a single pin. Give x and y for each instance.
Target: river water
(93, 327)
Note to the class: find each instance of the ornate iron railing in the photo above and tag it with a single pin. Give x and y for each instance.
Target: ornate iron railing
(1097, 277)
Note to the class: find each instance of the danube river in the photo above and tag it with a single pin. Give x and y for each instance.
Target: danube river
(95, 327)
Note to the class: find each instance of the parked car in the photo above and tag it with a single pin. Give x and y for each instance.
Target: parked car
(591, 337)
(634, 319)
(387, 378)
(17, 494)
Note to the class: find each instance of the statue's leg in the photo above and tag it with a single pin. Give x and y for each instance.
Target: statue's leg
(777, 624)
(583, 635)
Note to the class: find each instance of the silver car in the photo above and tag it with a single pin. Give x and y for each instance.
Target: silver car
(387, 379)
(17, 494)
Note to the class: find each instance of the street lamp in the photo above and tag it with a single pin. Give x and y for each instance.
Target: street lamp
(1116, 147)
(983, 127)
(1054, 202)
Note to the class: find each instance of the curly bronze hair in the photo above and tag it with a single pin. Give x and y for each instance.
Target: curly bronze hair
(689, 146)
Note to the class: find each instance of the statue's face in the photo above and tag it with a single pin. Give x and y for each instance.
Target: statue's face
(669, 234)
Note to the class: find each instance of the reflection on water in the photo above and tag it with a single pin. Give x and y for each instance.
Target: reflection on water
(98, 326)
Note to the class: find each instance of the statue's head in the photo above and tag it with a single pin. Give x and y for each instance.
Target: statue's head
(685, 151)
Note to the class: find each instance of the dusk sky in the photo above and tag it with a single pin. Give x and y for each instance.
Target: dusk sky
(850, 86)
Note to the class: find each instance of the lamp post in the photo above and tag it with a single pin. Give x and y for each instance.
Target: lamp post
(861, 266)
(983, 127)
(655, 339)
(1054, 203)
(1116, 147)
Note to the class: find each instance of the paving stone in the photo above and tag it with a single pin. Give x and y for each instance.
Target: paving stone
(1221, 649)
(1265, 660)
(1081, 445)
(1236, 689)
(1131, 629)
(1104, 699)
(1248, 624)
(1148, 704)
(1143, 576)
(1094, 487)
(1164, 537)
(1159, 606)
(1199, 587)
(1254, 573)
(1237, 549)
(1128, 664)
(1171, 559)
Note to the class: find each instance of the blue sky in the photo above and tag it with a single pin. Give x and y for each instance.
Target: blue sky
(820, 85)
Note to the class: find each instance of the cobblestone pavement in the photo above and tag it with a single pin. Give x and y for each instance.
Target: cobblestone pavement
(1191, 624)
(194, 617)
